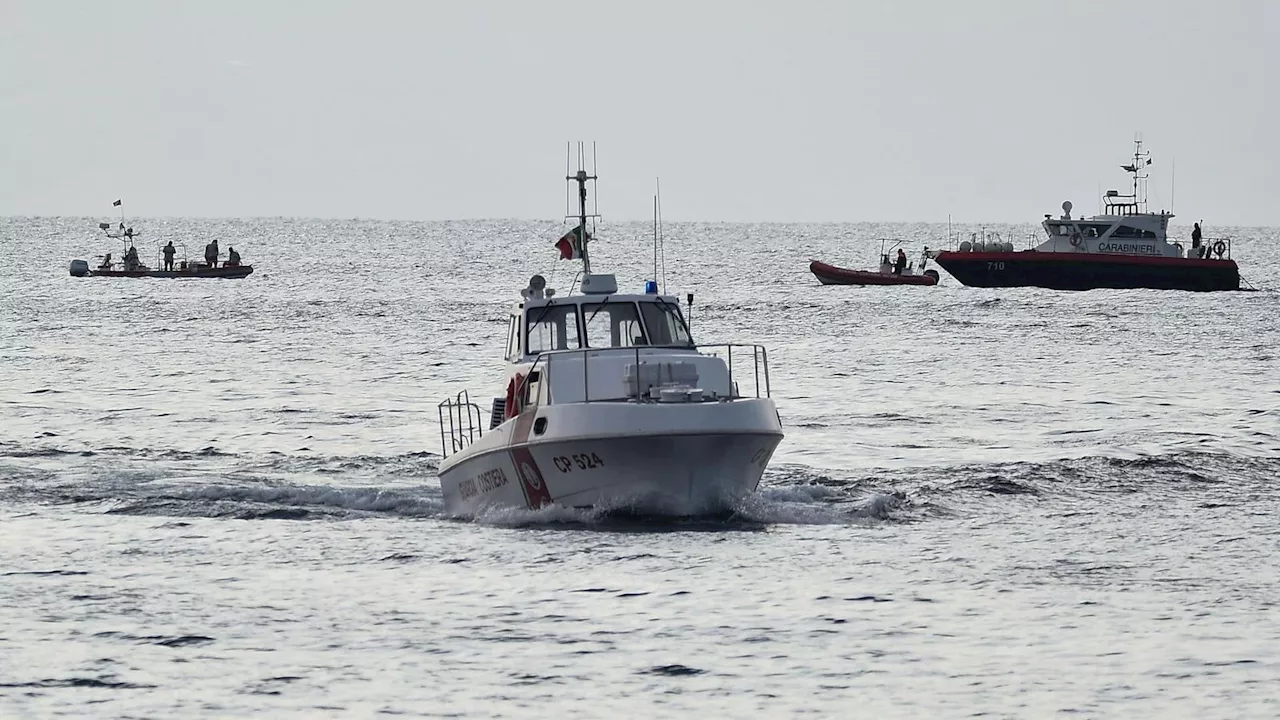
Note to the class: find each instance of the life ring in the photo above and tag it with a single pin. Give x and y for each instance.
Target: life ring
(1220, 248)
(1075, 239)
(515, 389)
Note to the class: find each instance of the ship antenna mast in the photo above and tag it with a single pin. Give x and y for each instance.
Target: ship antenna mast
(1136, 169)
(581, 178)
(126, 234)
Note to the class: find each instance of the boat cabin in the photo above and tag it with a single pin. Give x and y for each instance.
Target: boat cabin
(596, 319)
(605, 346)
(1123, 227)
(1117, 231)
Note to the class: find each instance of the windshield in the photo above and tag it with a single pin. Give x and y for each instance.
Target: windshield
(606, 325)
(553, 327)
(614, 324)
(666, 326)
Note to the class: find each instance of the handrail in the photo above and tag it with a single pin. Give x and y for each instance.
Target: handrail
(1225, 240)
(180, 247)
(462, 430)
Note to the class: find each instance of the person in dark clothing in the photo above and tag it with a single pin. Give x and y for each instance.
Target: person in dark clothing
(900, 262)
(168, 255)
(211, 254)
(233, 257)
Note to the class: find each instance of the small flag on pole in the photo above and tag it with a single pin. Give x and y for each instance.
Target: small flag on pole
(570, 246)
(116, 204)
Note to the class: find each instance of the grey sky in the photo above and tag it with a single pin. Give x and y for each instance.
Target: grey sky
(988, 110)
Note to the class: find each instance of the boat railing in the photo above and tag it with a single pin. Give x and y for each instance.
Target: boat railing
(1212, 247)
(179, 256)
(736, 357)
(463, 424)
(956, 241)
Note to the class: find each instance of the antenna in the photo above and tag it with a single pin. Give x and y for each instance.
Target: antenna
(124, 233)
(1173, 182)
(568, 170)
(662, 236)
(1137, 158)
(655, 238)
(1140, 200)
(581, 178)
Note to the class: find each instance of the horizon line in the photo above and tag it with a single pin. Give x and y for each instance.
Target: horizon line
(359, 218)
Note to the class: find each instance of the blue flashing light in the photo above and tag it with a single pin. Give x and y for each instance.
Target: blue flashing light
(650, 287)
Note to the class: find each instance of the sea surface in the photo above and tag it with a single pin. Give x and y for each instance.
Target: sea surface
(218, 498)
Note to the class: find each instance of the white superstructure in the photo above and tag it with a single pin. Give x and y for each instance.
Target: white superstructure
(606, 401)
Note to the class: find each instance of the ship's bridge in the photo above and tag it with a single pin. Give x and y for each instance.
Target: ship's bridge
(603, 345)
(596, 319)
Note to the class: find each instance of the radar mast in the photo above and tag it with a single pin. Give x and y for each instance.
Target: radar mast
(579, 211)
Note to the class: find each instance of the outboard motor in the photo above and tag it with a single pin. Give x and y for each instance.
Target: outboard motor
(79, 268)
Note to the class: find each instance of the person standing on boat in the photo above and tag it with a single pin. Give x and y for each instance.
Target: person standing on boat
(1195, 239)
(233, 257)
(900, 262)
(211, 254)
(168, 255)
(131, 258)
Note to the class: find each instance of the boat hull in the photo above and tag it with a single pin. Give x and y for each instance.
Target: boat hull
(1088, 271)
(832, 275)
(656, 467)
(229, 273)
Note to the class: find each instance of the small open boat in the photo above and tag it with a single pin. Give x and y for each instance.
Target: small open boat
(131, 266)
(832, 275)
(887, 274)
(182, 269)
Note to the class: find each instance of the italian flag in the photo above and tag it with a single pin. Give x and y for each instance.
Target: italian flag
(570, 246)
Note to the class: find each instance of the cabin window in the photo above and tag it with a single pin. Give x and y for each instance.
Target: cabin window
(615, 324)
(1063, 230)
(552, 327)
(513, 337)
(665, 324)
(1125, 231)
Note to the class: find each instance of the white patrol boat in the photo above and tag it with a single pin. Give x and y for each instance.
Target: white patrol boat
(609, 404)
